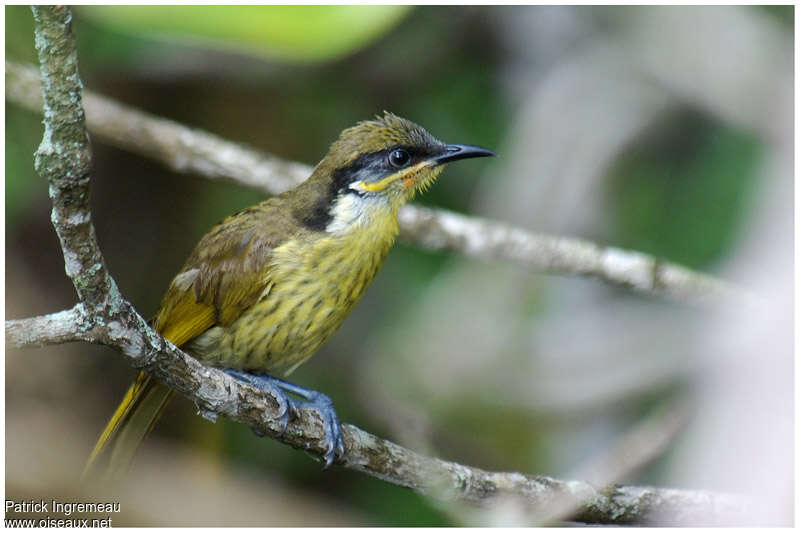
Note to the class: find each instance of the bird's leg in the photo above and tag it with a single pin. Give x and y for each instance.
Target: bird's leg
(316, 400)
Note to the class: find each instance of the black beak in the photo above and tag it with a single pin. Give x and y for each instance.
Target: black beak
(454, 152)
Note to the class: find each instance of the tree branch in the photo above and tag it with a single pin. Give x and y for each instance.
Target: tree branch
(437, 229)
(215, 393)
(104, 317)
(58, 328)
(184, 149)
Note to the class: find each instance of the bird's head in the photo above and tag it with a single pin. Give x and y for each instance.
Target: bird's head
(390, 157)
(375, 166)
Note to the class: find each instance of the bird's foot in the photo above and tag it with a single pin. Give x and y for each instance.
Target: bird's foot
(334, 445)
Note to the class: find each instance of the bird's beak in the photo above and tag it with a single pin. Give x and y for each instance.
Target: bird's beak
(454, 152)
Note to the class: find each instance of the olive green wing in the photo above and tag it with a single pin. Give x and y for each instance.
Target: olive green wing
(228, 271)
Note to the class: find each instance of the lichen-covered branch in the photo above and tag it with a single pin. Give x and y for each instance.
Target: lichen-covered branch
(64, 158)
(57, 328)
(103, 316)
(185, 149)
(544, 498)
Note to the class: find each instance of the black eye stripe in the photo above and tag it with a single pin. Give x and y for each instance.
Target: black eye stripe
(376, 165)
(372, 165)
(367, 167)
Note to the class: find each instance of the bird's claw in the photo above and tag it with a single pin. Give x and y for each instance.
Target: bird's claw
(334, 445)
(332, 440)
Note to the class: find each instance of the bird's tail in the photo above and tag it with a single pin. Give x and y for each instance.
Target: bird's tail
(129, 425)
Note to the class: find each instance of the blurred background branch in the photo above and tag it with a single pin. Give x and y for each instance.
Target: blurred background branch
(194, 151)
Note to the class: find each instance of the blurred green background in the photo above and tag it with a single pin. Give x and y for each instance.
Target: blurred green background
(680, 184)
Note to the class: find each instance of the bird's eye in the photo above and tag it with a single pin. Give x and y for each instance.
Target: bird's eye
(399, 158)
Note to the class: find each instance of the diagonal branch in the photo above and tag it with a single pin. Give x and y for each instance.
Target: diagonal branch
(104, 316)
(184, 149)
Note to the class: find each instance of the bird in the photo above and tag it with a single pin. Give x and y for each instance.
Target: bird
(265, 288)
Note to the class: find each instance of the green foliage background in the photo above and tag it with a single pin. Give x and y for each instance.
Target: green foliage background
(286, 80)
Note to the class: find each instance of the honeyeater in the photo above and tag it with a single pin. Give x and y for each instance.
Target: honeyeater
(267, 287)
